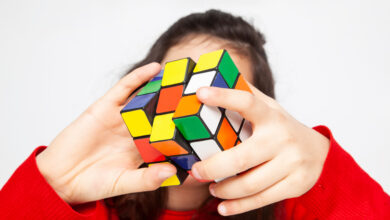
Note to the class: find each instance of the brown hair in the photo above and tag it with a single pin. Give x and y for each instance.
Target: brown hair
(246, 40)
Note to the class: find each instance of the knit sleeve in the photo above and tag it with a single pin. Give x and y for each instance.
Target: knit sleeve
(343, 190)
(27, 195)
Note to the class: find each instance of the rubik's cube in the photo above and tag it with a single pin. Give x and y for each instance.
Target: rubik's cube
(169, 124)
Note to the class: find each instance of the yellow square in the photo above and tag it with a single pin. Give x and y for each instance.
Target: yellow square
(175, 72)
(137, 123)
(208, 61)
(163, 128)
(171, 181)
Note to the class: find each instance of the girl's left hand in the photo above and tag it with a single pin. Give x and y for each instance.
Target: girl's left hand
(282, 159)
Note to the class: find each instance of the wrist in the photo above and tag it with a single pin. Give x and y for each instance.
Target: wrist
(45, 167)
(322, 145)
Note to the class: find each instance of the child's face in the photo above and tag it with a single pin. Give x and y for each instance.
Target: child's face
(195, 45)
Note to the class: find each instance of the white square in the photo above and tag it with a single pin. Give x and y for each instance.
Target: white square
(246, 130)
(211, 116)
(206, 148)
(199, 80)
(234, 118)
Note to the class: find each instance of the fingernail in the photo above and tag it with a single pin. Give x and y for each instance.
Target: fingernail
(212, 191)
(222, 209)
(164, 174)
(203, 93)
(195, 173)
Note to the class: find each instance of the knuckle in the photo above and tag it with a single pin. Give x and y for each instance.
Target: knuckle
(241, 163)
(93, 110)
(248, 186)
(286, 136)
(295, 157)
(218, 92)
(250, 102)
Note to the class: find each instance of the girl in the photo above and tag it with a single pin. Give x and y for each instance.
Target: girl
(287, 170)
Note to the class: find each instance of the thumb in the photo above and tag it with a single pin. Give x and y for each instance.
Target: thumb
(143, 179)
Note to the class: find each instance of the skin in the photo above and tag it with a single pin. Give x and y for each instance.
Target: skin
(93, 159)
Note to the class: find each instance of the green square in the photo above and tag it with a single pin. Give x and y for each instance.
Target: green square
(228, 69)
(151, 87)
(191, 128)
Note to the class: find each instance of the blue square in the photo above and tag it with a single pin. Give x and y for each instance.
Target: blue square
(185, 161)
(219, 81)
(138, 102)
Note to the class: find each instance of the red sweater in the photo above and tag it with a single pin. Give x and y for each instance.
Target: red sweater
(343, 191)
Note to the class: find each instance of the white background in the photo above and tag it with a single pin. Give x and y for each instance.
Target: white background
(330, 58)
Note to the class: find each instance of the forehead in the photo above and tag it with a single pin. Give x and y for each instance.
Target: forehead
(195, 45)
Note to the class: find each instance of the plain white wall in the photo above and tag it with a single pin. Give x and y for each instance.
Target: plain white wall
(330, 60)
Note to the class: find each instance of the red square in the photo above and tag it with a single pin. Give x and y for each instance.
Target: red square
(148, 152)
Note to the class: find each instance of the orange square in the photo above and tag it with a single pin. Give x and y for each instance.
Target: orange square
(226, 135)
(188, 105)
(169, 148)
(242, 84)
(169, 99)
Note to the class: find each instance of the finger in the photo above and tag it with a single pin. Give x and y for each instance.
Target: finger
(259, 94)
(240, 101)
(278, 192)
(227, 163)
(143, 179)
(122, 89)
(255, 180)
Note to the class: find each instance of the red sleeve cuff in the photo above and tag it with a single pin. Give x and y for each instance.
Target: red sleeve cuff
(343, 190)
(27, 195)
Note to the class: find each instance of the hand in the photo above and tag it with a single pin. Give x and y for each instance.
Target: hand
(94, 157)
(282, 159)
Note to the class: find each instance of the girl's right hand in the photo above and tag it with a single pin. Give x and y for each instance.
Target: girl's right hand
(94, 157)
